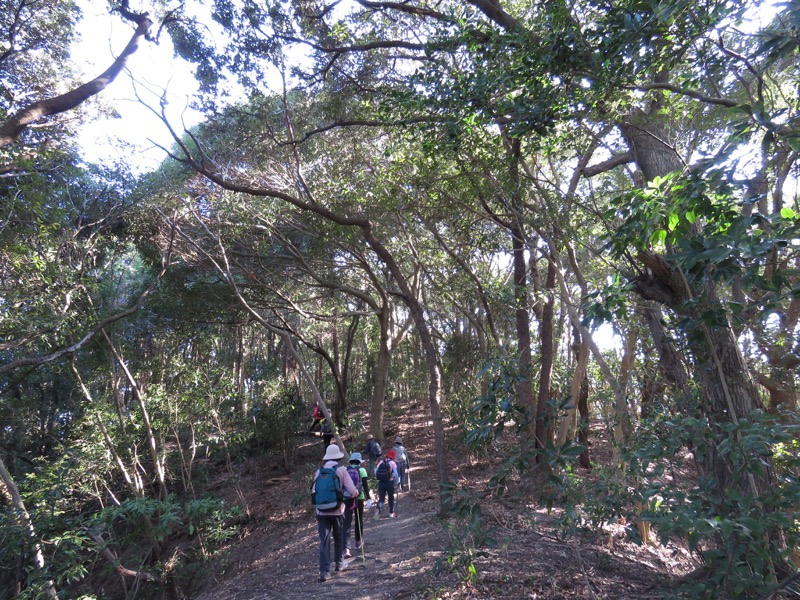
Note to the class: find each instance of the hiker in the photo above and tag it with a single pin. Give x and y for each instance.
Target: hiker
(373, 452)
(403, 464)
(316, 418)
(327, 493)
(327, 434)
(386, 474)
(358, 475)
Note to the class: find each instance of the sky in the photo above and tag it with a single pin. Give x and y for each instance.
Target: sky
(151, 70)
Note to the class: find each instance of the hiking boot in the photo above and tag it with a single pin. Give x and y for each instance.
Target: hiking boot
(322, 577)
(392, 515)
(358, 545)
(347, 553)
(341, 566)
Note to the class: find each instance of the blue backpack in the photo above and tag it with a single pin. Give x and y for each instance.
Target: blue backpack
(326, 489)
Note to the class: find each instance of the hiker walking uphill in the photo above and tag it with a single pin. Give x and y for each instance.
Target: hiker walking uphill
(355, 507)
(372, 450)
(386, 474)
(403, 464)
(327, 495)
(316, 418)
(327, 433)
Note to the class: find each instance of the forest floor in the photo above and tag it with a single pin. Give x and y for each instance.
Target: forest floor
(276, 557)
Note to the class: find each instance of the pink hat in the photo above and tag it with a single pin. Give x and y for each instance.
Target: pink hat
(391, 455)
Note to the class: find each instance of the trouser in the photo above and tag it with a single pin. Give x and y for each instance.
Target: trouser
(354, 509)
(401, 471)
(386, 488)
(330, 526)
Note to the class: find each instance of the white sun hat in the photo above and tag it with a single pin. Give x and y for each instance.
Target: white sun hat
(333, 453)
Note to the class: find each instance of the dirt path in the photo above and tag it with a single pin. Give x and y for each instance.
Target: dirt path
(397, 561)
(277, 556)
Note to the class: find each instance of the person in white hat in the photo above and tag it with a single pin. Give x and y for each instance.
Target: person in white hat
(330, 521)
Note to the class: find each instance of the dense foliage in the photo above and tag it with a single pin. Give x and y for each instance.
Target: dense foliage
(444, 207)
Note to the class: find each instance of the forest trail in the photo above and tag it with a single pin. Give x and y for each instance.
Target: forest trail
(277, 556)
(397, 557)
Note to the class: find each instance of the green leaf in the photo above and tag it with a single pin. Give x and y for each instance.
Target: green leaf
(674, 219)
(660, 235)
(787, 213)
(691, 216)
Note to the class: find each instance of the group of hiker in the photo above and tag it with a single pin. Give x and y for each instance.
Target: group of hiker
(341, 494)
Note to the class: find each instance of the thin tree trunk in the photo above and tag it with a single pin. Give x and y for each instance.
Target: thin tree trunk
(544, 416)
(38, 555)
(580, 348)
(148, 428)
(583, 422)
(523, 331)
(380, 376)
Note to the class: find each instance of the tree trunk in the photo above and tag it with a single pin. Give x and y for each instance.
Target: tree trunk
(348, 353)
(583, 422)
(544, 416)
(722, 373)
(523, 329)
(380, 377)
(669, 361)
(580, 348)
(16, 500)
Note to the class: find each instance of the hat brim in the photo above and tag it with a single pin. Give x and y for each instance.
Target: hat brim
(330, 454)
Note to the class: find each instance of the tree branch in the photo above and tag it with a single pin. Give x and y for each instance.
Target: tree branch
(611, 163)
(726, 102)
(40, 360)
(15, 125)
(420, 11)
(363, 123)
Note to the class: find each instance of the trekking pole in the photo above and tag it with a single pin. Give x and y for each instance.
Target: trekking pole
(360, 529)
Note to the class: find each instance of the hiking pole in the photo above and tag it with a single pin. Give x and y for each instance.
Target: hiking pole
(360, 529)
